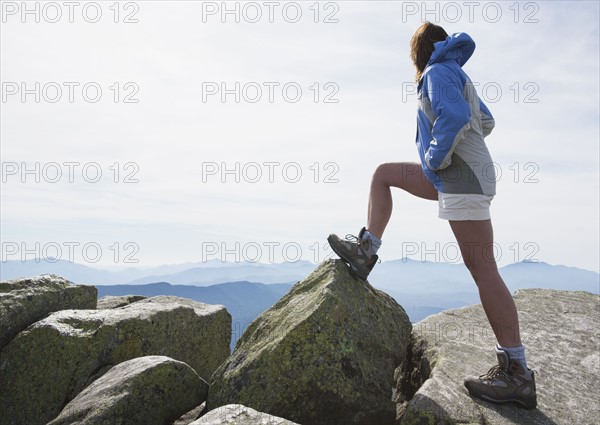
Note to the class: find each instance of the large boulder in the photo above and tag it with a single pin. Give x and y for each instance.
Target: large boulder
(560, 331)
(50, 362)
(110, 301)
(325, 353)
(237, 414)
(27, 300)
(151, 390)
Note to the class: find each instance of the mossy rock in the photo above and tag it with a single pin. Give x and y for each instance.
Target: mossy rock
(50, 362)
(27, 300)
(324, 354)
(150, 390)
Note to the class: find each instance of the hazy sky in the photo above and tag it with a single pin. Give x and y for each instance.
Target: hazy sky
(190, 130)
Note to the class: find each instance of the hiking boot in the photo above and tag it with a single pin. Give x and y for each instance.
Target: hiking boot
(355, 251)
(506, 382)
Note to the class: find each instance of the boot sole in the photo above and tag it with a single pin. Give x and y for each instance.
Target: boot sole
(351, 266)
(527, 405)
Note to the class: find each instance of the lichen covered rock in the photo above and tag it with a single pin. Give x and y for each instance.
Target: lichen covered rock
(325, 353)
(27, 300)
(150, 390)
(51, 361)
(560, 331)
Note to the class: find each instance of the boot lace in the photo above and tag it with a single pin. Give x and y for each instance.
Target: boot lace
(494, 372)
(359, 244)
(356, 243)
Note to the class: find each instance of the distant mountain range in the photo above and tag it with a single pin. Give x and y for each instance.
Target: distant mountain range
(247, 289)
(424, 288)
(199, 274)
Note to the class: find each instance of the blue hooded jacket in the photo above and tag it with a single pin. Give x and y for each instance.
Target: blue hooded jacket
(452, 122)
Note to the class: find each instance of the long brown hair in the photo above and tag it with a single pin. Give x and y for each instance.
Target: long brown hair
(421, 45)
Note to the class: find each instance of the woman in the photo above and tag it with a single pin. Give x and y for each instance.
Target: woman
(456, 170)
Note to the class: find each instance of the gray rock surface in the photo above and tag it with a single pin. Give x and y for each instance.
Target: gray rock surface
(325, 353)
(50, 362)
(27, 300)
(150, 390)
(560, 331)
(188, 417)
(237, 414)
(110, 301)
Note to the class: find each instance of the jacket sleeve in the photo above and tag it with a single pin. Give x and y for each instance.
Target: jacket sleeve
(445, 92)
(487, 120)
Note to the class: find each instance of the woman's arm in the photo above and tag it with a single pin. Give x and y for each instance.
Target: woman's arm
(445, 92)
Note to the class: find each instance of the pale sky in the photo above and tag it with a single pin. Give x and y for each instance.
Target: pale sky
(172, 138)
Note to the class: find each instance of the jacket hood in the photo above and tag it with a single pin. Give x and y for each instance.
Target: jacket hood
(457, 47)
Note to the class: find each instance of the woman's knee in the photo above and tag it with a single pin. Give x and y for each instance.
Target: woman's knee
(395, 173)
(404, 175)
(482, 271)
(381, 175)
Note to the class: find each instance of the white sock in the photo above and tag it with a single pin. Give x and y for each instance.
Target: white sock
(516, 353)
(375, 242)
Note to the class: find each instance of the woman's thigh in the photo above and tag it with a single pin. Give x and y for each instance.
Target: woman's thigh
(408, 176)
(476, 241)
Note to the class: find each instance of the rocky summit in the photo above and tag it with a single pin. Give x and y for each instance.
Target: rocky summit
(333, 351)
(324, 354)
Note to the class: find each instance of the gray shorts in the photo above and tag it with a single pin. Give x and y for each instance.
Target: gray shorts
(464, 206)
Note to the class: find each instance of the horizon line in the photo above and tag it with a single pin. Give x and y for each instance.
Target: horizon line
(114, 268)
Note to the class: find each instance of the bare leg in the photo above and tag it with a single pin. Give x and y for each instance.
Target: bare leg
(475, 239)
(404, 175)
